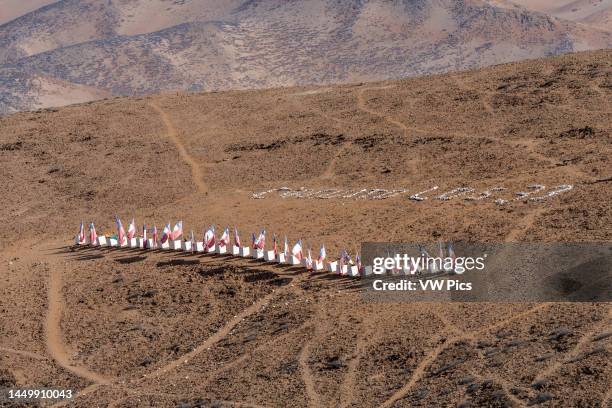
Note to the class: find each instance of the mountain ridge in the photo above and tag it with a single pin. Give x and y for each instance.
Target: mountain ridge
(268, 44)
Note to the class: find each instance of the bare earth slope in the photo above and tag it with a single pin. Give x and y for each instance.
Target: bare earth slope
(136, 47)
(594, 13)
(131, 328)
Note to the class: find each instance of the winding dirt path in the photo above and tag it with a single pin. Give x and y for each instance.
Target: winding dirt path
(214, 339)
(575, 352)
(362, 105)
(53, 333)
(22, 353)
(307, 377)
(417, 374)
(347, 388)
(196, 172)
(524, 224)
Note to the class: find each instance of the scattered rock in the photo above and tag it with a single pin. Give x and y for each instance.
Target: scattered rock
(559, 333)
(541, 398)
(602, 336)
(544, 357)
(538, 385)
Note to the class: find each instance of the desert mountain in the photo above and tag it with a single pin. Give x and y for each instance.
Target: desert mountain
(595, 13)
(132, 328)
(73, 51)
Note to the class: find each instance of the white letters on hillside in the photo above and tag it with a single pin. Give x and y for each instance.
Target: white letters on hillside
(535, 192)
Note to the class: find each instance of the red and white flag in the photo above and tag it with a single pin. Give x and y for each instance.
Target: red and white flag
(154, 234)
(322, 254)
(80, 238)
(275, 248)
(345, 259)
(225, 238)
(261, 240)
(120, 232)
(209, 237)
(236, 238)
(177, 232)
(166, 234)
(93, 236)
(297, 250)
(309, 260)
(131, 232)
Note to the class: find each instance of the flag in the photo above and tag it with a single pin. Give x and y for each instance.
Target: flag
(261, 240)
(80, 237)
(93, 237)
(225, 238)
(154, 236)
(120, 231)
(166, 234)
(193, 241)
(322, 254)
(275, 246)
(145, 243)
(254, 241)
(309, 260)
(209, 237)
(297, 250)
(345, 259)
(131, 232)
(358, 263)
(236, 238)
(177, 231)
(286, 249)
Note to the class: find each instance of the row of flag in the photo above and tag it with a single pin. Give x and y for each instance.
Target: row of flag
(258, 242)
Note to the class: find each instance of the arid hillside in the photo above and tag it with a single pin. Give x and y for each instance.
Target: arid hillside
(74, 51)
(518, 152)
(594, 13)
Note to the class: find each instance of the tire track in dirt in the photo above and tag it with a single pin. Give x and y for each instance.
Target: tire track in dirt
(53, 332)
(230, 364)
(196, 172)
(431, 357)
(348, 385)
(524, 225)
(575, 352)
(329, 170)
(529, 144)
(362, 105)
(307, 377)
(22, 353)
(214, 338)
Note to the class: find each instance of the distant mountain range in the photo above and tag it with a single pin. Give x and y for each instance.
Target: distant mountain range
(70, 51)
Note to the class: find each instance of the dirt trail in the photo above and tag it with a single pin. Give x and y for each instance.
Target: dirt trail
(313, 396)
(431, 357)
(53, 332)
(215, 338)
(196, 172)
(23, 353)
(524, 225)
(329, 170)
(361, 104)
(576, 350)
(347, 388)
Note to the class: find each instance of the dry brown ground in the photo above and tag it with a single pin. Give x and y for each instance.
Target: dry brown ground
(127, 328)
